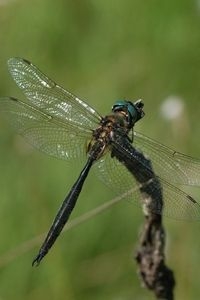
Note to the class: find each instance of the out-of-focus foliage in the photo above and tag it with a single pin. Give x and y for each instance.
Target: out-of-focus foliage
(101, 51)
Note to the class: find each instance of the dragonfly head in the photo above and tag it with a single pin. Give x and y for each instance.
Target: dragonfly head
(134, 111)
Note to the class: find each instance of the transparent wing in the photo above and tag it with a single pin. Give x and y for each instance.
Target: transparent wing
(50, 135)
(177, 204)
(170, 165)
(50, 98)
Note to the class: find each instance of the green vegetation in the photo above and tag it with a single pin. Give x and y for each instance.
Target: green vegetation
(101, 51)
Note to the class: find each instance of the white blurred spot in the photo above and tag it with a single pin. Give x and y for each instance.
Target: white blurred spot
(198, 4)
(172, 108)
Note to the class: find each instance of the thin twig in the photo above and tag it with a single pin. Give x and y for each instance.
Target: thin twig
(23, 248)
(150, 257)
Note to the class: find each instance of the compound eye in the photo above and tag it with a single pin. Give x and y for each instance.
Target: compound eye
(119, 105)
(132, 111)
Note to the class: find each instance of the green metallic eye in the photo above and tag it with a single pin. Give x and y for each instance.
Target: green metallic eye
(133, 110)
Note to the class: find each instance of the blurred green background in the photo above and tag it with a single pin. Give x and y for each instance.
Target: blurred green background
(101, 51)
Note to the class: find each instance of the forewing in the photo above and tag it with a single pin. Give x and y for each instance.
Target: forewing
(168, 164)
(50, 135)
(50, 98)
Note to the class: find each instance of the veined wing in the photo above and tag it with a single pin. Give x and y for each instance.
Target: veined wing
(51, 135)
(50, 98)
(177, 204)
(168, 164)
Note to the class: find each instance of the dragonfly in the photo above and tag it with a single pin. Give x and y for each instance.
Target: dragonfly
(62, 125)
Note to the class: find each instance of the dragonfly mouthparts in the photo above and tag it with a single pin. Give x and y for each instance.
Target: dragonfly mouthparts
(139, 104)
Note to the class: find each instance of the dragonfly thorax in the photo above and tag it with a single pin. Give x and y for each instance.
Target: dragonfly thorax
(103, 136)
